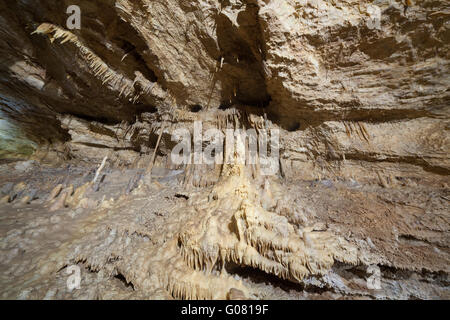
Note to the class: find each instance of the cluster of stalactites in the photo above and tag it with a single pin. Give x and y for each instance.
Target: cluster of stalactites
(127, 88)
(99, 68)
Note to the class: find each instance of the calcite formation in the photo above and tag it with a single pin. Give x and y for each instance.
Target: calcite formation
(358, 91)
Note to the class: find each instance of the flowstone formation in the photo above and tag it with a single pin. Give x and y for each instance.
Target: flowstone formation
(355, 204)
(236, 229)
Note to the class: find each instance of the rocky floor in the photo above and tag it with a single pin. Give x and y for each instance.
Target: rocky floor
(117, 230)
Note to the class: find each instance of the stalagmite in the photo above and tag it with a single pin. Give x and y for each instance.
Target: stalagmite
(55, 192)
(59, 203)
(152, 160)
(97, 173)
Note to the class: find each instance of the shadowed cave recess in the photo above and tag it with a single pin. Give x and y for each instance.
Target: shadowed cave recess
(358, 204)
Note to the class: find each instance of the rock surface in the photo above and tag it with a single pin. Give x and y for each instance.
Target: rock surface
(359, 91)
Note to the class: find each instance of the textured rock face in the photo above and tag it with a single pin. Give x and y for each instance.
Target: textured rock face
(337, 76)
(358, 90)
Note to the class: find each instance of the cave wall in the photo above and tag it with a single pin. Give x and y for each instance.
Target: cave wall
(356, 94)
